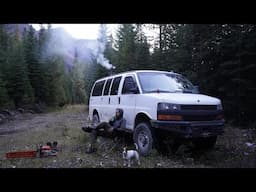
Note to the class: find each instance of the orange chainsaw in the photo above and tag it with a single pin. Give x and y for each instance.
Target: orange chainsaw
(42, 151)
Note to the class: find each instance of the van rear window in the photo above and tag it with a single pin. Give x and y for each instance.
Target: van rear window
(115, 85)
(97, 90)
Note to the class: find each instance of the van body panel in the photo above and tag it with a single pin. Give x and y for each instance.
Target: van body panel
(128, 102)
(147, 103)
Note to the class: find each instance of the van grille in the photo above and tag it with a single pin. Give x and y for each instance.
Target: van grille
(199, 117)
(198, 107)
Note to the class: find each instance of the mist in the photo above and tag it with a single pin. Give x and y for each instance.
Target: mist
(101, 46)
(61, 43)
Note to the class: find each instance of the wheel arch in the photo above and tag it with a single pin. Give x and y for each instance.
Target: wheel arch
(95, 112)
(142, 117)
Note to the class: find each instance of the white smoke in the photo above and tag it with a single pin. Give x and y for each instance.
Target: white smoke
(104, 62)
(61, 43)
(99, 52)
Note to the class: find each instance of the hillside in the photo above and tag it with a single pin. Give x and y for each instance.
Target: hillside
(64, 43)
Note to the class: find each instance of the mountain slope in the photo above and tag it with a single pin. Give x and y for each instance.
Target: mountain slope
(62, 43)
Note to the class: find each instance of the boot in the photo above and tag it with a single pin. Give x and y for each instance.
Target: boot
(91, 149)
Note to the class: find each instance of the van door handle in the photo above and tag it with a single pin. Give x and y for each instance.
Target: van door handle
(119, 99)
(109, 100)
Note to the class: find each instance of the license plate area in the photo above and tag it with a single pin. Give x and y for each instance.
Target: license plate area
(203, 131)
(206, 134)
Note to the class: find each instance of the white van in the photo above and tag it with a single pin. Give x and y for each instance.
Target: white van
(157, 102)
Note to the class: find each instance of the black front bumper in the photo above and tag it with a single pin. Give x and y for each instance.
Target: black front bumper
(190, 129)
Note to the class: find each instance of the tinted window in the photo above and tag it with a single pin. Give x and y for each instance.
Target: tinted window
(115, 85)
(106, 90)
(129, 83)
(97, 91)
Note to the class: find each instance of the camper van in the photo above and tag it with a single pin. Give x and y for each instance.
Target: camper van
(157, 104)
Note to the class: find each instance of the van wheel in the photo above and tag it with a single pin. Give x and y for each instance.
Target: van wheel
(143, 137)
(205, 143)
(95, 120)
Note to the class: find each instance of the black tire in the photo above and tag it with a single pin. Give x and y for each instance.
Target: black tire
(205, 143)
(143, 137)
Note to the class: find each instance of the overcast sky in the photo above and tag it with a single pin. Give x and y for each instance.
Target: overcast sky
(89, 31)
(82, 31)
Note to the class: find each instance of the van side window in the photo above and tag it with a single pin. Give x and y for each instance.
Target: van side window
(106, 90)
(115, 85)
(129, 84)
(97, 91)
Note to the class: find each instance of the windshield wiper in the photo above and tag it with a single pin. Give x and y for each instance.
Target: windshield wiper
(183, 91)
(158, 91)
(187, 91)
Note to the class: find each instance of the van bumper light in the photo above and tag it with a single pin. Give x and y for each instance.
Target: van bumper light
(169, 117)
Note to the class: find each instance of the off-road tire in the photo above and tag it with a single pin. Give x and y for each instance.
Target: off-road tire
(143, 137)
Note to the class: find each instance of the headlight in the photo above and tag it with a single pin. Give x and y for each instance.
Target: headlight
(166, 112)
(168, 107)
(219, 107)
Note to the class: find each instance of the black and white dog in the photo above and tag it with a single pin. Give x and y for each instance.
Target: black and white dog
(129, 155)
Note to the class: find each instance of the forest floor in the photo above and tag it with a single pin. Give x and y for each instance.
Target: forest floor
(236, 148)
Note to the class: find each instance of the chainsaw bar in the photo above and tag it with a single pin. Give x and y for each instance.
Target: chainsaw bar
(43, 151)
(20, 154)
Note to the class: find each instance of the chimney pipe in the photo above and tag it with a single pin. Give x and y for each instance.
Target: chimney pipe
(112, 72)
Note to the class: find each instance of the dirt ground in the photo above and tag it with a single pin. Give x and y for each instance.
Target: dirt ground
(235, 149)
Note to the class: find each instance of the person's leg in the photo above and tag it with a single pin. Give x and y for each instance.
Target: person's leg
(102, 126)
(109, 128)
(93, 139)
(93, 136)
(106, 128)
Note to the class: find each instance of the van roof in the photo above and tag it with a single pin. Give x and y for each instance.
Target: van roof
(136, 71)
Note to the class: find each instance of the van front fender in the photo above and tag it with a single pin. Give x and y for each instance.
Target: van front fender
(142, 116)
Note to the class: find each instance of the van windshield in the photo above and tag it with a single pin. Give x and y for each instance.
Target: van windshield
(152, 82)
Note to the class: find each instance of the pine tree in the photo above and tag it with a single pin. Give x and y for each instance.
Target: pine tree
(3, 47)
(142, 55)
(126, 37)
(18, 84)
(43, 38)
(54, 77)
(78, 84)
(161, 48)
(170, 52)
(43, 41)
(68, 86)
(32, 59)
(4, 98)
(237, 71)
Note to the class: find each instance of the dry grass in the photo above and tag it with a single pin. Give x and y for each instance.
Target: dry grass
(65, 125)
